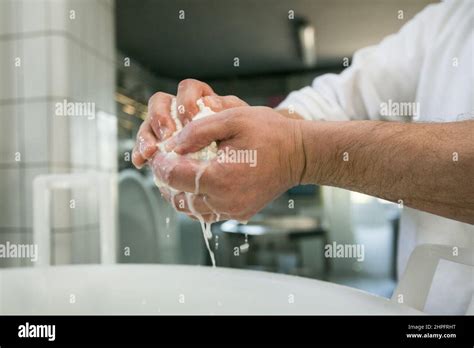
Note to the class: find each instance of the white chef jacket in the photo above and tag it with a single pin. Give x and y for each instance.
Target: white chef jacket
(430, 62)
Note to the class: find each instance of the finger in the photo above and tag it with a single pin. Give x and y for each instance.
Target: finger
(200, 133)
(201, 203)
(219, 103)
(168, 195)
(145, 145)
(188, 203)
(137, 159)
(159, 115)
(146, 141)
(179, 172)
(191, 204)
(189, 91)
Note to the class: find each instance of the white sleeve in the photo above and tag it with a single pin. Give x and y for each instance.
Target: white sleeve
(387, 71)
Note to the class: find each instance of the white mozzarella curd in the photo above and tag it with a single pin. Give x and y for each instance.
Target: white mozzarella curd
(203, 156)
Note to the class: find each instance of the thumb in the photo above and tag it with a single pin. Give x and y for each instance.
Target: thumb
(200, 133)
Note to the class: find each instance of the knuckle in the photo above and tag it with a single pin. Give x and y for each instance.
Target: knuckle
(235, 120)
(142, 128)
(234, 99)
(187, 83)
(156, 96)
(159, 95)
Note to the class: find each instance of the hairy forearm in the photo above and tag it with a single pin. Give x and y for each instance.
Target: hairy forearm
(426, 166)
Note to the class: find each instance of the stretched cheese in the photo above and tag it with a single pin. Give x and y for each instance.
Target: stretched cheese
(204, 155)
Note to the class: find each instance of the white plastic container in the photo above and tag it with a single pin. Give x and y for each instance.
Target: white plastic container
(164, 289)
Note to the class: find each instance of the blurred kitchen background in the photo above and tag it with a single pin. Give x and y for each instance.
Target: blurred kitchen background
(116, 54)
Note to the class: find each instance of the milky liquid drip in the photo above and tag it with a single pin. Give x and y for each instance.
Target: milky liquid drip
(204, 156)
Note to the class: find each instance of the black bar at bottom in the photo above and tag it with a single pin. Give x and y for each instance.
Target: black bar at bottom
(141, 330)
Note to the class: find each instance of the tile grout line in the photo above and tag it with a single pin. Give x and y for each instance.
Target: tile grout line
(60, 33)
(26, 230)
(58, 165)
(50, 98)
(50, 141)
(21, 123)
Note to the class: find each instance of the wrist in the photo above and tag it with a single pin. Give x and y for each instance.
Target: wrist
(316, 139)
(297, 153)
(290, 114)
(311, 156)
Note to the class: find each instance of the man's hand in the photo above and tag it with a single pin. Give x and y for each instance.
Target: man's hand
(159, 125)
(234, 190)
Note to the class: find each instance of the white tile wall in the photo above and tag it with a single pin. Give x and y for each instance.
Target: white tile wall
(86, 246)
(41, 15)
(78, 140)
(107, 127)
(92, 33)
(106, 86)
(61, 59)
(80, 246)
(58, 16)
(104, 24)
(85, 26)
(92, 78)
(60, 67)
(92, 154)
(93, 251)
(62, 252)
(35, 67)
(8, 23)
(61, 208)
(10, 208)
(59, 141)
(9, 141)
(10, 74)
(86, 212)
(110, 83)
(34, 15)
(13, 237)
(110, 3)
(35, 131)
(27, 238)
(29, 174)
(83, 10)
(79, 72)
(109, 43)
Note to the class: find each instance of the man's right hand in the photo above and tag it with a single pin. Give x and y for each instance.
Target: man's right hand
(159, 124)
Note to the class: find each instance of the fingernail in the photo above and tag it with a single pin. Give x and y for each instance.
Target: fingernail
(214, 102)
(135, 157)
